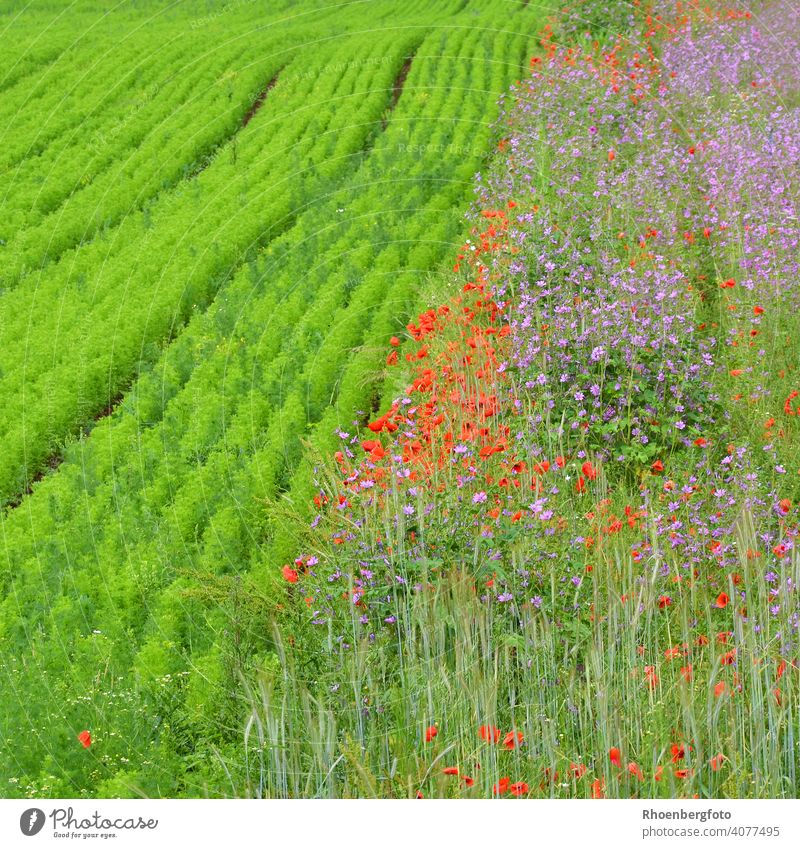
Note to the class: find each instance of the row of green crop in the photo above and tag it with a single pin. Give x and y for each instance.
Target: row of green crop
(32, 186)
(116, 297)
(92, 77)
(100, 267)
(228, 405)
(25, 57)
(164, 135)
(102, 74)
(189, 99)
(91, 66)
(124, 94)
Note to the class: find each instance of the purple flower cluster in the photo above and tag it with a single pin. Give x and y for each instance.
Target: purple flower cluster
(654, 229)
(653, 232)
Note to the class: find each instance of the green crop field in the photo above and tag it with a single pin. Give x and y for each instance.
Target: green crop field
(399, 400)
(211, 218)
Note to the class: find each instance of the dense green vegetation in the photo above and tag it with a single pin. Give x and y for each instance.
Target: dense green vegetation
(211, 223)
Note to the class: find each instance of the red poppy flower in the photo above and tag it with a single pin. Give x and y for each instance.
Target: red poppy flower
(728, 284)
(598, 788)
(758, 310)
(468, 781)
(722, 600)
(489, 733)
(519, 789)
(682, 774)
(611, 156)
(578, 770)
(394, 341)
(589, 470)
(716, 762)
(664, 601)
(614, 756)
(678, 753)
(513, 739)
(289, 574)
(719, 689)
(431, 733)
(450, 770)
(657, 467)
(501, 787)
(85, 738)
(700, 442)
(636, 771)
(686, 672)
(785, 505)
